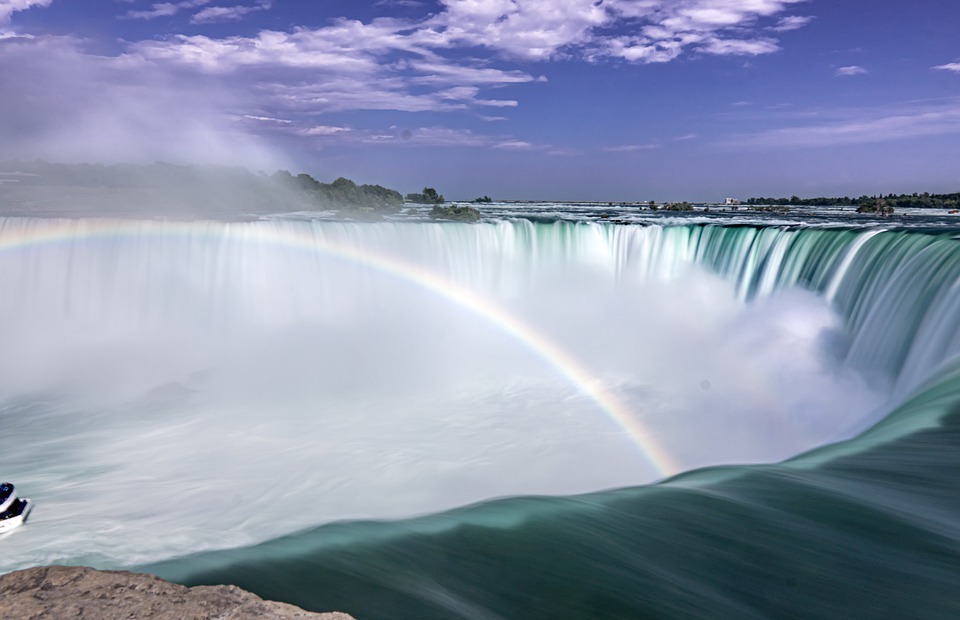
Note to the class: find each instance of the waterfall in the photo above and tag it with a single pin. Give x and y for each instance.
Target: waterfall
(269, 376)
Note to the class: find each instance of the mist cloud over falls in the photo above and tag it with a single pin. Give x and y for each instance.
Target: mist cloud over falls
(147, 364)
(62, 103)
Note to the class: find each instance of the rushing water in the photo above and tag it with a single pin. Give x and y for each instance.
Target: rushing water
(271, 392)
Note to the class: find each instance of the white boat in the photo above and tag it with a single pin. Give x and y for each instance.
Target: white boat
(13, 510)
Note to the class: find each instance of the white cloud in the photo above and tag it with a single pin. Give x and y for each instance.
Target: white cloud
(387, 62)
(345, 92)
(792, 22)
(267, 119)
(409, 65)
(550, 28)
(498, 103)
(950, 66)
(712, 15)
(324, 130)
(851, 70)
(516, 145)
(227, 13)
(861, 126)
(434, 71)
(631, 148)
(739, 47)
(666, 29)
(9, 7)
(640, 49)
(164, 9)
(533, 30)
(432, 136)
(346, 46)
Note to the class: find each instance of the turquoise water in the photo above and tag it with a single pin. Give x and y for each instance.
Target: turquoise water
(328, 428)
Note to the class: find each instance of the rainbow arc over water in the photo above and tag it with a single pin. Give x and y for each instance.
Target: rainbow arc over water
(303, 236)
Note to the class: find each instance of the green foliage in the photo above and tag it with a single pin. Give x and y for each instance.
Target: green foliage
(483, 199)
(459, 213)
(893, 201)
(679, 206)
(877, 206)
(208, 187)
(344, 194)
(429, 196)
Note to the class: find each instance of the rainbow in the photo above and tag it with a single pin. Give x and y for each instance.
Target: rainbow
(303, 237)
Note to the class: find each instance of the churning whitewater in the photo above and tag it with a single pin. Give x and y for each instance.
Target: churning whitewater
(270, 392)
(172, 387)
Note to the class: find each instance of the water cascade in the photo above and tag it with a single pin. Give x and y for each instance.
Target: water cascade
(167, 387)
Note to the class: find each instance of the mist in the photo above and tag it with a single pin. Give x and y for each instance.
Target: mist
(63, 103)
(264, 385)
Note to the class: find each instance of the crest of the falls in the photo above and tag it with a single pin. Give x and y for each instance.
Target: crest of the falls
(269, 376)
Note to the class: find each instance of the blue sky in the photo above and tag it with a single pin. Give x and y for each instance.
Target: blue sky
(516, 99)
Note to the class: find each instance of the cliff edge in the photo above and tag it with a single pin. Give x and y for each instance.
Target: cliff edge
(80, 592)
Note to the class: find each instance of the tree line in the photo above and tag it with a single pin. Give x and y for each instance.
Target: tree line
(342, 192)
(925, 200)
(205, 187)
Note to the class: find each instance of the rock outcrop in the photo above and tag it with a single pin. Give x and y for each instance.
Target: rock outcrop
(80, 592)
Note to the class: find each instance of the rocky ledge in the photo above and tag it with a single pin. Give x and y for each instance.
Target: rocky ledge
(80, 592)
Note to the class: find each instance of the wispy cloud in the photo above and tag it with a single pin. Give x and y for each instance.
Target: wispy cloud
(528, 31)
(718, 27)
(851, 70)
(434, 71)
(410, 4)
(266, 119)
(454, 58)
(227, 13)
(164, 9)
(739, 47)
(630, 148)
(792, 22)
(324, 130)
(410, 64)
(516, 145)
(950, 66)
(414, 137)
(9, 7)
(859, 127)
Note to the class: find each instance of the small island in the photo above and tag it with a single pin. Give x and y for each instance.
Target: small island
(457, 213)
(428, 196)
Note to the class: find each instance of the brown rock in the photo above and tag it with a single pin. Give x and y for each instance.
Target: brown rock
(66, 592)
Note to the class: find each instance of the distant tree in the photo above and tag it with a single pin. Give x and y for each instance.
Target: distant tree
(429, 196)
(282, 175)
(432, 196)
